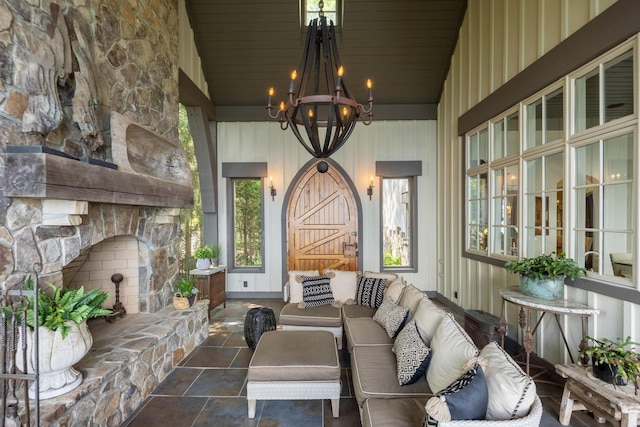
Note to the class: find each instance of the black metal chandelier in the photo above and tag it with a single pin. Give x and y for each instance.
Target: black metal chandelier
(320, 91)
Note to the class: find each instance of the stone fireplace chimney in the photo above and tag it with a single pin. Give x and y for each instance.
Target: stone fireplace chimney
(89, 151)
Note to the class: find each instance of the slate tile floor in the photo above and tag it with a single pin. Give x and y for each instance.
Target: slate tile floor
(209, 387)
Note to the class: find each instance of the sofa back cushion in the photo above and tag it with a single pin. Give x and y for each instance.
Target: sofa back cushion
(394, 289)
(428, 317)
(452, 349)
(376, 275)
(410, 298)
(511, 391)
(343, 284)
(295, 284)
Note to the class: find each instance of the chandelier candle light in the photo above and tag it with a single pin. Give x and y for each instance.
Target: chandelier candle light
(306, 104)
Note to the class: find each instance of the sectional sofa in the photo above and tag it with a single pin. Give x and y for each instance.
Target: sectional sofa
(412, 363)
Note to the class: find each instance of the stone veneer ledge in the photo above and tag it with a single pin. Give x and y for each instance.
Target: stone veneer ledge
(129, 358)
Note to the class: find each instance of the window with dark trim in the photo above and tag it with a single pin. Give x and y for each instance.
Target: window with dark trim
(399, 213)
(245, 215)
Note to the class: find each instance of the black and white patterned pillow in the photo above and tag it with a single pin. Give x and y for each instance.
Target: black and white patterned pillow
(316, 291)
(391, 317)
(412, 355)
(464, 399)
(370, 291)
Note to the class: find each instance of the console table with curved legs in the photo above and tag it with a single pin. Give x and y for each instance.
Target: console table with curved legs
(556, 307)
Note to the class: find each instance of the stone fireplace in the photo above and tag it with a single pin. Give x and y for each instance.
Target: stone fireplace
(89, 148)
(92, 179)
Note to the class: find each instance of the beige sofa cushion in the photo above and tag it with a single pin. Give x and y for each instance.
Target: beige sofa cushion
(374, 375)
(376, 275)
(343, 284)
(410, 298)
(364, 331)
(295, 356)
(511, 391)
(393, 412)
(428, 317)
(394, 289)
(324, 315)
(356, 310)
(295, 285)
(451, 349)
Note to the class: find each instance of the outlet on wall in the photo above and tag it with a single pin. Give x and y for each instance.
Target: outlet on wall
(245, 284)
(455, 294)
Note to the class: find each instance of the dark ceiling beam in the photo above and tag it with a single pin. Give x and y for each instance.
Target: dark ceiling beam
(191, 95)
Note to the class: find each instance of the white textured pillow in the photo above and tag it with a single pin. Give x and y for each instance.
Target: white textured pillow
(452, 349)
(343, 284)
(410, 298)
(428, 317)
(295, 285)
(511, 391)
(394, 289)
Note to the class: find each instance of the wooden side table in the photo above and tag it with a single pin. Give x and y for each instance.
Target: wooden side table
(212, 284)
(581, 392)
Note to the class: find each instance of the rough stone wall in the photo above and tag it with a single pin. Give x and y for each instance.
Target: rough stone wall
(65, 67)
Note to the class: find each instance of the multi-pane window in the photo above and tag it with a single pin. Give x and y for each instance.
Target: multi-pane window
(543, 197)
(477, 191)
(397, 222)
(330, 9)
(248, 242)
(604, 196)
(604, 93)
(524, 176)
(504, 224)
(506, 137)
(545, 120)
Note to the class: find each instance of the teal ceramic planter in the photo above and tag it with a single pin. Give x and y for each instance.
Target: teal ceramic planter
(549, 289)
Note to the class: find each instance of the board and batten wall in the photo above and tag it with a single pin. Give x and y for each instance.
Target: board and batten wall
(498, 39)
(382, 140)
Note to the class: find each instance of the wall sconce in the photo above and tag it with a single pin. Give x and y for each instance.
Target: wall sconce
(273, 189)
(370, 188)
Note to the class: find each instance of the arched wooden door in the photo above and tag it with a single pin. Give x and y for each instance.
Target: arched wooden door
(322, 223)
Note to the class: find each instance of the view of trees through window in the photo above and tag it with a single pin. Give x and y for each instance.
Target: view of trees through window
(190, 219)
(247, 222)
(396, 224)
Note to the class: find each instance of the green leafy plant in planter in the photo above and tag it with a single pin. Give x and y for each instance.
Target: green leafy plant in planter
(613, 361)
(203, 256)
(543, 276)
(215, 254)
(185, 289)
(62, 305)
(63, 336)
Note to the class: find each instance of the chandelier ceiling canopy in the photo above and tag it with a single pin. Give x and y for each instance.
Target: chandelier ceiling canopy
(318, 96)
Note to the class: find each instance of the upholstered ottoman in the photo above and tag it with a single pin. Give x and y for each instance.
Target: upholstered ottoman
(294, 365)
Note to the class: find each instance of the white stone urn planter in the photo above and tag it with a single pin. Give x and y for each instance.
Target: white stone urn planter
(57, 357)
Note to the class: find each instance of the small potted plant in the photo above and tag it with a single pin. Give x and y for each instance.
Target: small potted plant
(203, 256)
(613, 362)
(185, 293)
(543, 276)
(215, 257)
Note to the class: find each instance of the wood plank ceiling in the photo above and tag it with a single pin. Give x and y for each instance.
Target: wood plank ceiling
(404, 46)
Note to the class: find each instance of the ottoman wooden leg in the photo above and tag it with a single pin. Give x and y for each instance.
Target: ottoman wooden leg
(335, 407)
(252, 407)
